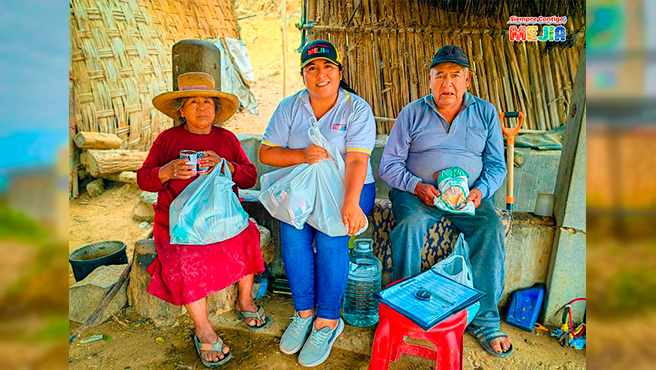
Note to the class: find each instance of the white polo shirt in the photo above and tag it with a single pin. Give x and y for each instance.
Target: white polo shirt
(349, 125)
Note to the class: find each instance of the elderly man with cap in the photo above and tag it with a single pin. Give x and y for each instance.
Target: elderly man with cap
(450, 128)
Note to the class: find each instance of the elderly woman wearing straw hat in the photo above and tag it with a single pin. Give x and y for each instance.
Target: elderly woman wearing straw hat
(318, 280)
(187, 274)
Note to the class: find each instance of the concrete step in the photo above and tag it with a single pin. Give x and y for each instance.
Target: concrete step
(280, 308)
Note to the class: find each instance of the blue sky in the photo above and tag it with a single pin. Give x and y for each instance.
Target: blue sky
(34, 59)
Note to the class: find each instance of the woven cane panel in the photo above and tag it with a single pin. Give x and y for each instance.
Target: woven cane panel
(121, 59)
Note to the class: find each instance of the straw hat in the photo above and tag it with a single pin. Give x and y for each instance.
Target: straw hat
(197, 84)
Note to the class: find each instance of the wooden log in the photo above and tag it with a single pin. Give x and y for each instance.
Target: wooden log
(128, 177)
(97, 140)
(104, 162)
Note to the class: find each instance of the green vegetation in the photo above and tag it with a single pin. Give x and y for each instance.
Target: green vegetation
(54, 329)
(15, 225)
(621, 278)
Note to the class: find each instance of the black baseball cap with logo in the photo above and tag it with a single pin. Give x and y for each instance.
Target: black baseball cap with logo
(320, 49)
(451, 53)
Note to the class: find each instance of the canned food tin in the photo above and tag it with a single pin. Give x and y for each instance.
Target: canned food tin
(202, 169)
(192, 158)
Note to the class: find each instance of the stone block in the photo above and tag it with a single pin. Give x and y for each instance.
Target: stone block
(528, 252)
(536, 175)
(148, 197)
(95, 187)
(570, 210)
(159, 311)
(143, 212)
(222, 301)
(256, 210)
(86, 295)
(143, 303)
(267, 246)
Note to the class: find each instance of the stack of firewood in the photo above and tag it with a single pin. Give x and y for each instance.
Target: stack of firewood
(102, 159)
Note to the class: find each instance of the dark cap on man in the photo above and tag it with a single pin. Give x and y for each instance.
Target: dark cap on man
(451, 53)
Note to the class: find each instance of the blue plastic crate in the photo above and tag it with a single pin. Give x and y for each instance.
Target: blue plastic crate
(525, 305)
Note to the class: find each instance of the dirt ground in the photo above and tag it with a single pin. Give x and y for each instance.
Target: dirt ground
(108, 217)
(133, 346)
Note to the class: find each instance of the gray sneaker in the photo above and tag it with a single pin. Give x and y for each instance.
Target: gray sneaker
(294, 336)
(318, 346)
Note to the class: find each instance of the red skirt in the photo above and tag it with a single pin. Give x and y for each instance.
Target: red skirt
(182, 274)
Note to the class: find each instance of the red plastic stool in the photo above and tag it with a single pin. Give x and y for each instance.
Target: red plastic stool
(389, 342)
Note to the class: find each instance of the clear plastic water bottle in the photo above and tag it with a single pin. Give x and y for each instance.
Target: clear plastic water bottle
(360, 306)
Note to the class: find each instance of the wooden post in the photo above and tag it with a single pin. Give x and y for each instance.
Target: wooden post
(283, 26)
(73, 159)
(566, 278)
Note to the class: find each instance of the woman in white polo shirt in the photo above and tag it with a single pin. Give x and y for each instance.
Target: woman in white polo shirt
(318, 280)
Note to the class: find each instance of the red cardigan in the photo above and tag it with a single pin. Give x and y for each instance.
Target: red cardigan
(167, 147)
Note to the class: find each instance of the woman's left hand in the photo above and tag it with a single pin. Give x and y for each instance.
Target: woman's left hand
(353, 218)
(212, 160)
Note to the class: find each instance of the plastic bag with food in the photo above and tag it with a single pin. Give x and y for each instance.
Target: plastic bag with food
(454, 190)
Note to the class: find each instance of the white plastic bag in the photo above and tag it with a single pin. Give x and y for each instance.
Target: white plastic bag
(274, 176)
(289, 193)
(312, 193)
(207, 211)
(457, 267)
(327, 214)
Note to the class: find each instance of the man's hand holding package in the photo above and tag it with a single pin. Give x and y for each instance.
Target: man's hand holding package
(475, 196)
(426, 192)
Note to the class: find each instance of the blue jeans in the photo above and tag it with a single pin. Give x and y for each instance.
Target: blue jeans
(483, 232)
(319, 279)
